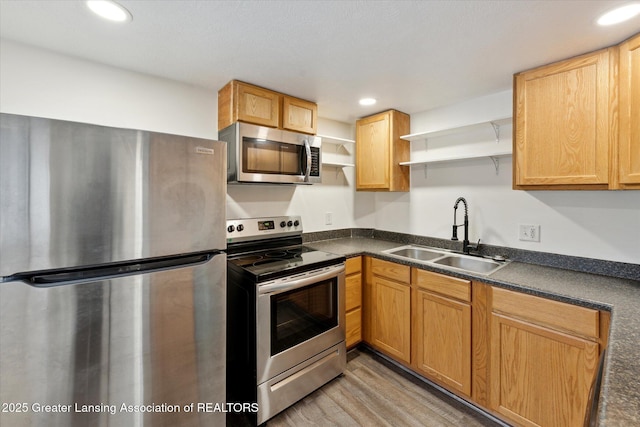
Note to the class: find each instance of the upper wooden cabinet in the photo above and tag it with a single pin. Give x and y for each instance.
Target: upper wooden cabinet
(299, 115)
(562, 123)
(379, 151)
(239, 101)
(574, 124)
(629, 144)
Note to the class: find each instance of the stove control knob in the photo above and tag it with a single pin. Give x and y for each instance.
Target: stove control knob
(240, 227)
(296, 223)
(290, 223)
(231, 229)
(283, 224)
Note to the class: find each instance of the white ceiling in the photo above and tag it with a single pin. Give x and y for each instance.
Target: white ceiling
(410, 55)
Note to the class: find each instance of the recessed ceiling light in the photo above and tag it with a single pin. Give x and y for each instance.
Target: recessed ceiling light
(619, 14)
(367, 101)
(110, 10)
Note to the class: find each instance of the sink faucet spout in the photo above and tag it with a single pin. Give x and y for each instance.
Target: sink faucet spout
(465, 224)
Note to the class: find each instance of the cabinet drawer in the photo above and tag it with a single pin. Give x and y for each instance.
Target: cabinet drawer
(353, 327)
(441, 284)
(391, 270)
(580, 320)
(353, 291)
(353, 265)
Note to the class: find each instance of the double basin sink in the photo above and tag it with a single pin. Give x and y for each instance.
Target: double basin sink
(448, 259)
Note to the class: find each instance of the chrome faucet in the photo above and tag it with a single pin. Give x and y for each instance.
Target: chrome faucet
(465, 242)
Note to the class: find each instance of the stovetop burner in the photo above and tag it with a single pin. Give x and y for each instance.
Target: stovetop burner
(266, 248)
(266, 263)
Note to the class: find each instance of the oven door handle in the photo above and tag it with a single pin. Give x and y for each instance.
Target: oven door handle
(306, 280)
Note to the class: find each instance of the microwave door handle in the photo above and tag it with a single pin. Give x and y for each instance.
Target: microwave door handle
(307, 149)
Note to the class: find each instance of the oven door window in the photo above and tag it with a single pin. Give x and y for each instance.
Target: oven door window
(301, 314)
(270, 157)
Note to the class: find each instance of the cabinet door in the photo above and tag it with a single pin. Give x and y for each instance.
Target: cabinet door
(629, 143)
(353, 304)
(256, 105)
(562, 124)
(391, 317)
(299, 115)
(539, 377)
(379, 151)
(442, 340)
(353, 327)
(373, 151)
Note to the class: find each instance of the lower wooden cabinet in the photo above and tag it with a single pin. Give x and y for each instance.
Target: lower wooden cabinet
(544, 356)
(526, 359)
(391, 311)
(442, 338)
(353, 301)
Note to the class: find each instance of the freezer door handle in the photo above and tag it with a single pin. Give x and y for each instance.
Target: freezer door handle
(45, 279)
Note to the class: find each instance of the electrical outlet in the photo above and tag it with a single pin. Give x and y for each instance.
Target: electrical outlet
(328, 218)
(529, 233)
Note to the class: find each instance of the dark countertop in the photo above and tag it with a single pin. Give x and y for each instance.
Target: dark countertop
(619, 403)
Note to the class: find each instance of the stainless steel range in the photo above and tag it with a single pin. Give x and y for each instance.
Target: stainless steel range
(285, 305)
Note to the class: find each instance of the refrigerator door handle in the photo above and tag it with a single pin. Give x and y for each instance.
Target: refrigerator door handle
(49, 278)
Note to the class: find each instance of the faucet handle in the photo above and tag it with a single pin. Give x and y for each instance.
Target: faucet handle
(475, 246)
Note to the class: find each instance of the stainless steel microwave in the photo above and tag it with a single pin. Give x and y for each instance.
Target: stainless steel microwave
(258, 154)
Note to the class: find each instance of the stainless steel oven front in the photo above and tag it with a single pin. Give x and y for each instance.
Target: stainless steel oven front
(300, 336)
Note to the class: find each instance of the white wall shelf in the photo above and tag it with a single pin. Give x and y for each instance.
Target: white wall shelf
(456, 158)
(335, 140)
(338, 164)
(496, 124)
(494, 156)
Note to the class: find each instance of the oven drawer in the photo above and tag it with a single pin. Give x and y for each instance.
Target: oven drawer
(287, 388)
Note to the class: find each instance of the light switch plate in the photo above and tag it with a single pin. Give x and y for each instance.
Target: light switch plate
(328, 218)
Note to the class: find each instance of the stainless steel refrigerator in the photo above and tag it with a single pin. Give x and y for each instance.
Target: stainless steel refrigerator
(112, 276)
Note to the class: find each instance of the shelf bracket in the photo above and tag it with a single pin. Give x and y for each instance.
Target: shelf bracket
(425, 171)
(496, 129)
(496, 163)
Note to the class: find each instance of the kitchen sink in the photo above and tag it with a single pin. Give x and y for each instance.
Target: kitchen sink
(447, 259)
(419, 254)
(476, 265)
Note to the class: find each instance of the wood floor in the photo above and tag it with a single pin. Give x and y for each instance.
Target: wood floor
(372, 392)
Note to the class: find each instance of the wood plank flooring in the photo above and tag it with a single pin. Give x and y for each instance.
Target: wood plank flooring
(373, 392)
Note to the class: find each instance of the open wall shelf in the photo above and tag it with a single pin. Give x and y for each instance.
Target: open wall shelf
(494, 155)
(334, 140)
(496, 124)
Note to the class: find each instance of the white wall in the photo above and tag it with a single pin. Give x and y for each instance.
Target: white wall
(596, 224)
(41, 83)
